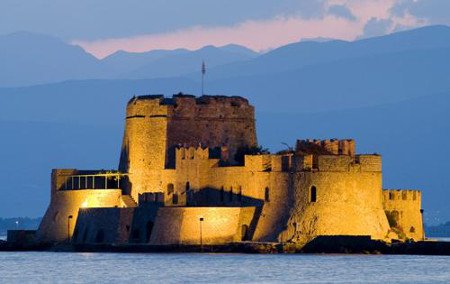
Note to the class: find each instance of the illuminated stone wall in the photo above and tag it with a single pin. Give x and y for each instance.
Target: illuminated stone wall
(347, 199)
(183, 147)
(403, 211)
(155, 126)
(182, 225)
(65, 203)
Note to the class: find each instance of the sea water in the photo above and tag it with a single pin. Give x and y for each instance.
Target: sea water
(54, 267)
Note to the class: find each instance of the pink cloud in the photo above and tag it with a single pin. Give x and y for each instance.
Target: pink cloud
(257, 35)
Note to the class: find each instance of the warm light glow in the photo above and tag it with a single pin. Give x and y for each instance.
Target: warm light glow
(84, 204)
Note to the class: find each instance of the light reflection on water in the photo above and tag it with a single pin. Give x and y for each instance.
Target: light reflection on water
(243, 268)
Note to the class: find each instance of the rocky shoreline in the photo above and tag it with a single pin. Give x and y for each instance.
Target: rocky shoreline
(325, 244)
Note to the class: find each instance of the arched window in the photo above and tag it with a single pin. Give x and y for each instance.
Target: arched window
(170, 188)
(188, 186)
(266, 194)
(313, 194)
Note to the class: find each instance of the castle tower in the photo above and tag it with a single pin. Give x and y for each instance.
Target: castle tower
(156, 125)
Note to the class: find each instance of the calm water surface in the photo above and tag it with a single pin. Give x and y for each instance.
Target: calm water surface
(27, 267)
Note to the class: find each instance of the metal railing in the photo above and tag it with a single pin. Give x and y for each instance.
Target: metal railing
(94, 181)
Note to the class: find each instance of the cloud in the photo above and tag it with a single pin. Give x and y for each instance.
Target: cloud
(257, 35)
(91, 20)
(341, 11)
(377, 27)
(428, 11)
(340, 19)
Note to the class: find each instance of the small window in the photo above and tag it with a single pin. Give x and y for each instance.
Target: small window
(404, 195)
(170, 188)
(412, 230)
(391, 196)
(313, 194)
(188, 186)
(266, 194)
(414, 195)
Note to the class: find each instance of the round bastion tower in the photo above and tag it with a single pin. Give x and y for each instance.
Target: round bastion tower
(155, 126)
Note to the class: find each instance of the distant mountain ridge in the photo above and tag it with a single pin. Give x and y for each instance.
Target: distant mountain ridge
(30, 59)
(306, 53)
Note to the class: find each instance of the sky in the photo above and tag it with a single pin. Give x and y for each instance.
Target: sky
(102, 27)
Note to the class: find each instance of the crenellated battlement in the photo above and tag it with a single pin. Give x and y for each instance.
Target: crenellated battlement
(188, 106)
(192, 153)
(396, 195)
(326, 147)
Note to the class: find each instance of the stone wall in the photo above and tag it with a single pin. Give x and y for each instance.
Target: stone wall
(155, 126)
(103, 225)
(337, 202)
(57, 226)
(403, 209)
(207, 225)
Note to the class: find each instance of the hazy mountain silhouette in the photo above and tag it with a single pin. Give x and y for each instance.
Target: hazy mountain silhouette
(306, 53)
(354, 82)
(187, 62)
(28, 59)
(122, 62)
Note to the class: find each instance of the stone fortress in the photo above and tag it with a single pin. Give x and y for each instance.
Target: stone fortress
(191, 172)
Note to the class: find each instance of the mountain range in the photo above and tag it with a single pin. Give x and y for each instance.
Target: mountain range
(30, 59)
(391, 93)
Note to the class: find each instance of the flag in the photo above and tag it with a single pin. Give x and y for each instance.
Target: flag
(203, 68)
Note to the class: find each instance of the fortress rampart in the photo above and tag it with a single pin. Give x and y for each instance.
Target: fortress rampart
(404, 212)
(178, 164)
(156, 125)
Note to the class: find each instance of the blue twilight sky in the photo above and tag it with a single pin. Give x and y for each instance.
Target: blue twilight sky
(105, 26)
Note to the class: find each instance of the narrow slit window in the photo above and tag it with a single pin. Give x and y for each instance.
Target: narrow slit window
(313, 194)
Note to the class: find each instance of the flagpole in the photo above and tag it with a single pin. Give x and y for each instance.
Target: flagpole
(203, 75)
